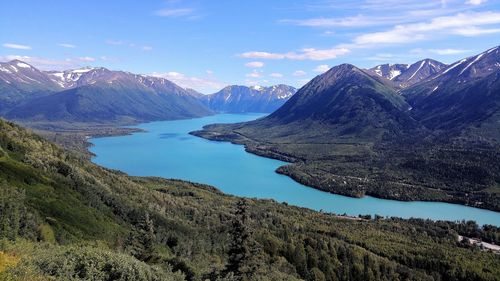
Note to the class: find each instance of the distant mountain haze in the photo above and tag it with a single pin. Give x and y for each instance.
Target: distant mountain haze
(240, 99)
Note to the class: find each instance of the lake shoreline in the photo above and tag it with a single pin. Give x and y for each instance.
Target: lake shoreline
(161, 141)
(254, 147)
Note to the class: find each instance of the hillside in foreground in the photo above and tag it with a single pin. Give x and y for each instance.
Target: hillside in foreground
(64, 218)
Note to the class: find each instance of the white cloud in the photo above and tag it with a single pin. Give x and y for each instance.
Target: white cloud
(475, 2)
(203, 85)
(299, 73)
(86, 59)
(276, 75)
(448, 51)
(254, 74)
(380, 13)
(351, 21)
(44, 63)
(16, 46)
(398, 5)
(304, 54)
(147, 48)
(254, 64)
(474, 31)
(464, 24)
(174, 13)
(322, 68)
(249, 82)
(209, 72)
(261, 55)
(66, 45)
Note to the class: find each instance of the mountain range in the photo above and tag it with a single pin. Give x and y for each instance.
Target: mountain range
(404, 75)
(427, 131)
(92, 95)
(100, 95)
(241, 99)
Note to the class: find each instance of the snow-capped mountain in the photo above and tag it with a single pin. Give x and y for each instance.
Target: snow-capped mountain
(69, 78)
(20, 81)
(466, 92)
(92, 94)
(473, 67)
(389, 71)
(419, 71)
(249, 99)
(404, 75)
(23, 76)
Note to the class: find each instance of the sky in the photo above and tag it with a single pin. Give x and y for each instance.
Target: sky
(206, 45)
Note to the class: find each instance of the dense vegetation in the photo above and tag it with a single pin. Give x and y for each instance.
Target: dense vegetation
(349, 133)
(401, 169)
(64, 217)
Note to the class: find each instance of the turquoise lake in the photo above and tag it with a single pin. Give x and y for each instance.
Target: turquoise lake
(167, 150)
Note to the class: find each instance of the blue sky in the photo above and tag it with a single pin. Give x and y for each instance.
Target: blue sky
(209, 44)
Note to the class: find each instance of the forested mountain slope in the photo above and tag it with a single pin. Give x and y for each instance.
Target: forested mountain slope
(91, 95)
(357, 134)
(63, 217)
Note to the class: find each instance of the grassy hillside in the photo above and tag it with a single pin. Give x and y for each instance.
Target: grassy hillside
(64, 218)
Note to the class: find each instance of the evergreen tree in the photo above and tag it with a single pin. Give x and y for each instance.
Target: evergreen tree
(242, 249)
(11, 205)
(300, 259)
(140, 242)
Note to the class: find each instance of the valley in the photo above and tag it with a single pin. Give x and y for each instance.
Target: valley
(63, 216)
(303, 140)
(166, 149)
(353, 133)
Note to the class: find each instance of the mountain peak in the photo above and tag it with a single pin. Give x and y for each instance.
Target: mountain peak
(238, 98)
(341, 93)
(20, 63)
(343, 68)
(257, 87)
(389, 71)
(473, 67)
(404, 75)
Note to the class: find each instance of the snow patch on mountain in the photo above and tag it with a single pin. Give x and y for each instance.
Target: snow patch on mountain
(5, 70)
(394, 73)
(453, 66)
(23, 65)
(421, 65)
(470, 64)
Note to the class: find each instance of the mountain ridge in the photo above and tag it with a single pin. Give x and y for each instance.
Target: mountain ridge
(364, 135)
(241, 99)
(94, 94)
(406, 75)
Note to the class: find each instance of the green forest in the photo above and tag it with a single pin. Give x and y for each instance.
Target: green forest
(64, 218)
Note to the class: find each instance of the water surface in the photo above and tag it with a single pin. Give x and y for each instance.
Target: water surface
(167, 150)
